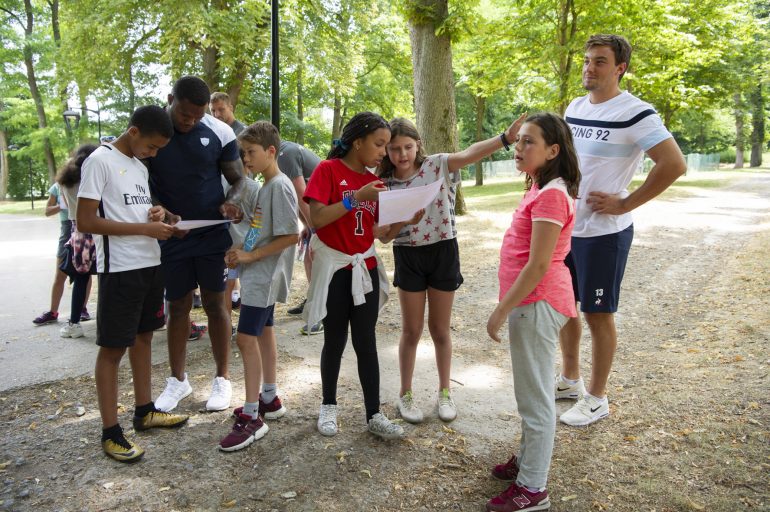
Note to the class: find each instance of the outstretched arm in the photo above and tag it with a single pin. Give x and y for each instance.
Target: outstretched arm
(484, 148)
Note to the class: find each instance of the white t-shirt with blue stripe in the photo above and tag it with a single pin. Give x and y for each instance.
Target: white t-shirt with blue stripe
(610, 139)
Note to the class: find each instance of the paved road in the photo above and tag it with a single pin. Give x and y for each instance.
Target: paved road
(29, 354)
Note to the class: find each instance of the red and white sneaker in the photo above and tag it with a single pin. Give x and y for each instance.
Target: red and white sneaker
(245, 431)
(519, 499)
(507, 472)
(273, 410)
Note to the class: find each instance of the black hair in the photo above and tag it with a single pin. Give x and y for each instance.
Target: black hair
(262, 133)
(152, 120)
(565, 165)
(359, 126)
(69, 175)
(192, 89)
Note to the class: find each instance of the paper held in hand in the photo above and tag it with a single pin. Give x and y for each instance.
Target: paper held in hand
(401, 205)
(192, 224)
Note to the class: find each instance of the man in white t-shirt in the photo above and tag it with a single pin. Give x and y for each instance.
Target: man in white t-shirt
(612, 130)
(114, 204)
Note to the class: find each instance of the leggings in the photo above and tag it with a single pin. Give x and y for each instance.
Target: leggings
(79, 287)
(362, 320)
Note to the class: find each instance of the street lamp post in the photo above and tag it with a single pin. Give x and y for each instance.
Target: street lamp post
(72, 118)
(275, 95)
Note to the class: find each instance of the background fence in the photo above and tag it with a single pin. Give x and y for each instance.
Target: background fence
(696, 162)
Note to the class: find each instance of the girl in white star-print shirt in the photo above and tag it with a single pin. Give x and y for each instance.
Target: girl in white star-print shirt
(427, 260)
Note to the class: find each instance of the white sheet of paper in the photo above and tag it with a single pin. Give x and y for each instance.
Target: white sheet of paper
(400, 205)
(192, 224)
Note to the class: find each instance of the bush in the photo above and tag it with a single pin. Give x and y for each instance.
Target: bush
(727, 156)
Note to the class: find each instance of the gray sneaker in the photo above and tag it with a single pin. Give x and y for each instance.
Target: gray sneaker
(447, 410)
(316, 329)
(327, 420)
(408, 410)
(382, 427)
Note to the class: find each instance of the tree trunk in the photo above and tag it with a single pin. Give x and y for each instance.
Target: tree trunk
(740, 139)
(300, 108)
(757, 126)
(481, 105)
(56, 30)
(211, 67)
(3, 166)
(566, 34)
(35, 92)
(235, 83)
(337, 119)
(434, 93)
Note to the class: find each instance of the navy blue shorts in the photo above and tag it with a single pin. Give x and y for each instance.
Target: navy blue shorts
(597, 265)
(253, 320)
(198, 259)
(130, 303)
(435, 265)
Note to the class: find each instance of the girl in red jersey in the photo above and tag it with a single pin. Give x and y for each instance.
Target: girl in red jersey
(348, 286)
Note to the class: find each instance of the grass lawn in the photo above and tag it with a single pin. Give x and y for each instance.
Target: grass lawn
(23, 207)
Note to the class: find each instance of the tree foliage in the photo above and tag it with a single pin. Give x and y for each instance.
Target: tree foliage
(703, 65)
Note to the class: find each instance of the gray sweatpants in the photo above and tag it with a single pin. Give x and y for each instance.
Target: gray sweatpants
(533, 331)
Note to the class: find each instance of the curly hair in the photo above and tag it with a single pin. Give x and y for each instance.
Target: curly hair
(69, 175)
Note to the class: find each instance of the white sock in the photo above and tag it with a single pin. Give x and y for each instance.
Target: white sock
(569, 381)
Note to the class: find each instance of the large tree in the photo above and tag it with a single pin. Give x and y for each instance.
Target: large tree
(24, 16)
(434, 94)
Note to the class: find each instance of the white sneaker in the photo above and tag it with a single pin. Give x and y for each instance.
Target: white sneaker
(586, 410)
(382, 427)
(174, 392)
(71, 331)
(408, 410)
(327, 420)
(565, 391)
(221, 393)
(447, 410)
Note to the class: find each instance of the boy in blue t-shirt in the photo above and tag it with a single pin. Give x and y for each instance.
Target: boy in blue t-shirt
(114, 205)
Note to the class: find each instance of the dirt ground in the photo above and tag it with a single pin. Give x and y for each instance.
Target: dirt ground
(689, 424)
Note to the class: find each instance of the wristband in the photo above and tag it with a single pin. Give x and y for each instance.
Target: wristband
(505, 142)
(346, 203)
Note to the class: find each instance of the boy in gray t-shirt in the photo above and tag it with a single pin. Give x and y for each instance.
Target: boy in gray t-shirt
(266, 259)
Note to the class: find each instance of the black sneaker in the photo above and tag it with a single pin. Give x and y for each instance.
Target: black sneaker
(298, 309)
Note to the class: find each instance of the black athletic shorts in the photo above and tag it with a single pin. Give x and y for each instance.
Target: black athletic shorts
(435, 265)
(130, 303)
